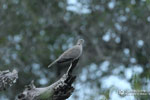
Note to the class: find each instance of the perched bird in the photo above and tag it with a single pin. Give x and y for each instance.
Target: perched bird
(71, 54)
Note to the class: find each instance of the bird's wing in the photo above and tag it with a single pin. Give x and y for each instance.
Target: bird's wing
(70, 54)
(64, 60)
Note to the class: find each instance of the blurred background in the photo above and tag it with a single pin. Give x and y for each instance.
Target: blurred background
(116, 56)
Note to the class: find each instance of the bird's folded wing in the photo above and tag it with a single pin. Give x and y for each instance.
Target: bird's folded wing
(69, 55)
(64, 60)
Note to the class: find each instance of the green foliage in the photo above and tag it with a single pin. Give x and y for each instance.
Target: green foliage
(33, 33)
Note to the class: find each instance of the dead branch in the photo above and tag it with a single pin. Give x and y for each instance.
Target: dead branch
(59, 90)
(7, 79)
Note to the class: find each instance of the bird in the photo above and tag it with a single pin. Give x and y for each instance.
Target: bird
(71, 54)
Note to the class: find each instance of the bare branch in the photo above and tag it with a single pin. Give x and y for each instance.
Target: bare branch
(59, 90)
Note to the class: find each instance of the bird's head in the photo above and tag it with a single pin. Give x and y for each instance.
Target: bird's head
(80, 42)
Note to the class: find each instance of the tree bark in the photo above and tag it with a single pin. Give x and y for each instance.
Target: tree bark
(60, 90)
(7, 79)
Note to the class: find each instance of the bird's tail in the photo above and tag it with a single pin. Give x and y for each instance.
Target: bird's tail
(52, 64)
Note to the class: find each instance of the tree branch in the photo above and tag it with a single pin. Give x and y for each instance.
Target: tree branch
(59, 90)
(7, 79)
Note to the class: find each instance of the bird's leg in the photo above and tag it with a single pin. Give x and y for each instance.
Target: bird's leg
(72, 66)
(69, 70)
